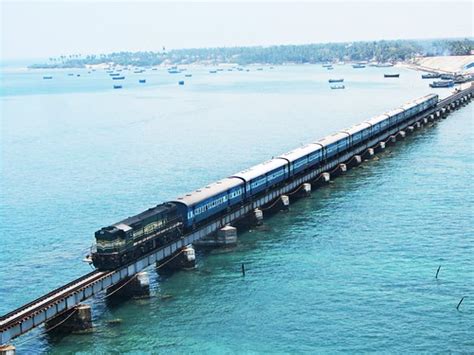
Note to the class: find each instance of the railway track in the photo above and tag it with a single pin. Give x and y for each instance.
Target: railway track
(40, 303)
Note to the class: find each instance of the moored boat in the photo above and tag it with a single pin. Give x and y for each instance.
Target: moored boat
(442, 84)
(47, 77)
(188, 75)
(117, 86)
(181, 82)
(336, 80)
(336, 87)
(391, 75)
(358, 66)
(118, 78)
(142, 81)
(430, 76)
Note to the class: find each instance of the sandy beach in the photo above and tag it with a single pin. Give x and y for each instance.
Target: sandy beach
(443, 64)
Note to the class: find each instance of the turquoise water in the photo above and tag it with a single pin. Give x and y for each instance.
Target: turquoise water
(350, 269)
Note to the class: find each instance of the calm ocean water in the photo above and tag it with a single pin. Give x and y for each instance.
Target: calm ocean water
(350, 269)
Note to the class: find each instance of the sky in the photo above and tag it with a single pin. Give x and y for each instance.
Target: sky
(40, 29)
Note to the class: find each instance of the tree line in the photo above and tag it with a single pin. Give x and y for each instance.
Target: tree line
(381, 51)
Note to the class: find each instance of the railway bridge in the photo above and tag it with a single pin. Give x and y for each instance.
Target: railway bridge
(67, 298)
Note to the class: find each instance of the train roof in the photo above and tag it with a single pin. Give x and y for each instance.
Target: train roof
(208, 191)
(331, 139)
(377, 119)
(394, 112)
(260, 169)
(356, 128)
(129, 221)
(300, 152)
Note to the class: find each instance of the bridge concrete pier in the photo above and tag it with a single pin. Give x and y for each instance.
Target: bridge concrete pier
(402, 134)
(225, 237)
(392, 139)
(75, 320)
(137, 286)
(417, 125)
(323, 179)
(369, 153)
(183, 259)
(258, 216)
(284, 202)
(7, 349)
(306, 190)
(410, 129)
(355, 161)
(339, 170)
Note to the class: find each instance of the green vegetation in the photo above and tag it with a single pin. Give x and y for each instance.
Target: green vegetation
(382, 51)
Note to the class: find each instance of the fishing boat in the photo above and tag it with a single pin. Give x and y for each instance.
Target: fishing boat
(142, 81)
(447, 77)
(47, 77)
(118, 78)
(442, 84)
(430, 76)
(358, 66)
(117, 86)
(181, 82)
(336, 80)
(391, 75)
(336, 87)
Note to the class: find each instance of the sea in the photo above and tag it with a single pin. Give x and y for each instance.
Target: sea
(351, 269)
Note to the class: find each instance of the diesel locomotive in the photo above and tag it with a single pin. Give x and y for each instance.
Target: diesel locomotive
(135, 236)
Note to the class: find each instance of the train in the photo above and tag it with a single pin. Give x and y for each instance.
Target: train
(131, 238)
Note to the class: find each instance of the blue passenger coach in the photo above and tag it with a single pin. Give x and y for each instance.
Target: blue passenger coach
(303, 158)
(262, 176)
(358, 133)
(334, 144)
(210, 200)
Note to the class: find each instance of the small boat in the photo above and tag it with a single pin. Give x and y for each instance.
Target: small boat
(336, 80)
(117, 86)
(70, 74)
(330, 68)
(431, 76)
(447, 77)
(47, 77)
(188, 75)
(138, 71)
(358, 66)
(220, 69)
(114, 74)
(461, 79)
(384, 65)
(327, 65)
(142, 81)
(173, 71)
(391, 75)
(336, 87)
(118, 78)
(442, 84)
(154, 69)
(260, 69)
(181, 82)
(271, 68)
(78, 75)
(230, 69)
(212, 71)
